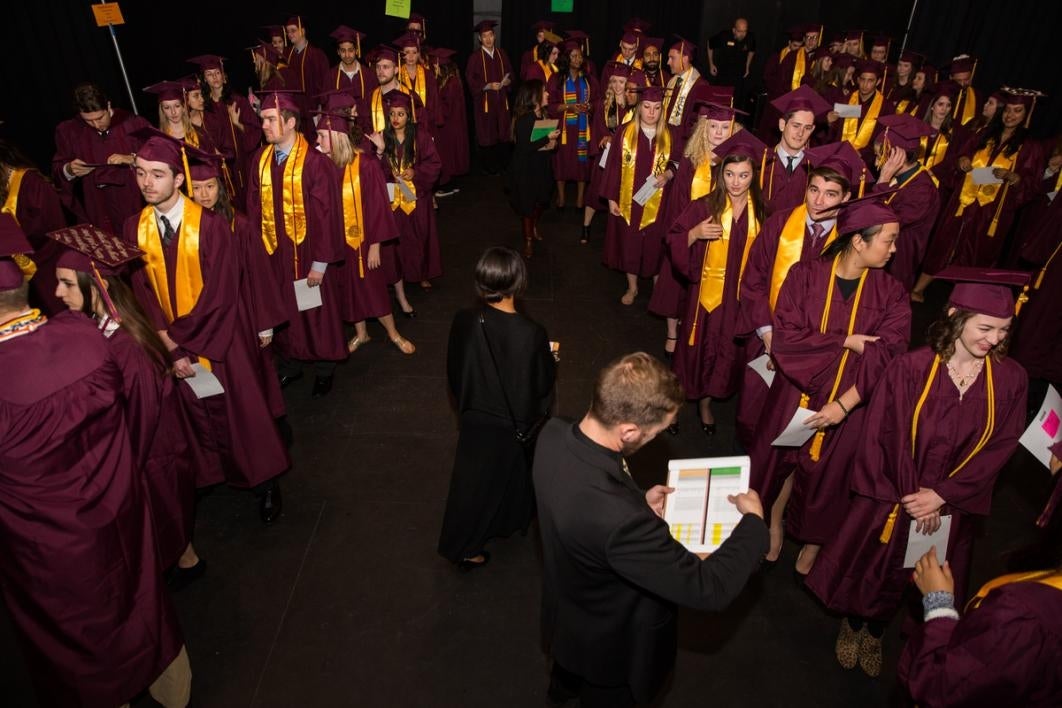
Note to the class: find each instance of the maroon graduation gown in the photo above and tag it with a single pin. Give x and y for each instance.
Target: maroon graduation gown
(366, 291)
(599, 130)
(669, 291)
(917, 205)
(452, 134)
(807, 362)
(566, 163)
(783, 191)
(361, 85)
(855, 573)
(235, 428)
(1028, 221)
(964, 240)
(490, 109)
(627, 248)
(755, 312)
(107, 195)
(429, 118)
(837, 129)
(38, 211)
(708, 363)
(660, 77)
(307, 71)
(235, 143)
(1004, 652)
(162, 441)
(681, 133)
(777, 80)
(419, 257)
(315, 334)
(1039, 327)
(81, 576)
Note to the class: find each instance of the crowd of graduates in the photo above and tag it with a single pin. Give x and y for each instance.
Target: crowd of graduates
(240, 238)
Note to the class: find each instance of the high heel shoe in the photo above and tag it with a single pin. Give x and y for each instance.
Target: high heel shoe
(708, 428)
(585, 238)
(410, 314)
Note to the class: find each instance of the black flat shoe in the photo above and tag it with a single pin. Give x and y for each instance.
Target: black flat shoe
(467, 565)
(179, 578)
(708, 428)
(321, 386)
(410, 314)
(672, 429)
(270, 504)
(288, 378)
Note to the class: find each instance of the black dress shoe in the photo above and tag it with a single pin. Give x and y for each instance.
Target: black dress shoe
(321, 386)
(285, 379)
(179, 578)
(270, 504)
(467, 565)
(708, 428)
(410, 314)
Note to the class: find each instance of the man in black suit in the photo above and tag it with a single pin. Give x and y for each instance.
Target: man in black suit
(613, 574)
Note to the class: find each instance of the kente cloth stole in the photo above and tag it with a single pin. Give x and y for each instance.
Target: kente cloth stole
(815, 451)
(23, 324)
(14, 184)
(986, 435)
(790, 246)
(293, 207)
(859, 131)
(353, 228)
(661, 153)
(1051, 578)
(688, 80)
(701, 185)
(577, 91)
(716, 253)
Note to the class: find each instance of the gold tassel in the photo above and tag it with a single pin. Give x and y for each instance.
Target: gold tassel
(886, 531)
(816, 446)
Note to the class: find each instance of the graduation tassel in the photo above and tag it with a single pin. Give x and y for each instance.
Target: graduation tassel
(816, 446)
(886, 531)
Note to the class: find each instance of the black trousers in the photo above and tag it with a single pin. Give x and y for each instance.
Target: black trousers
(565, 686)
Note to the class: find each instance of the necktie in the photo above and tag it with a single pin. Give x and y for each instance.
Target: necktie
(817, 230)
(167, 231)
(789, 164)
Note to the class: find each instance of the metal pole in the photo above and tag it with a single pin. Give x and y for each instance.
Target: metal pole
(121, 65)
(910, 21)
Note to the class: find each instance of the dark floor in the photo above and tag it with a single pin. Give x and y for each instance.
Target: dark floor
(344, 602)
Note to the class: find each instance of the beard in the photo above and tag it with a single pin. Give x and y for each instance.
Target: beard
(652, 65)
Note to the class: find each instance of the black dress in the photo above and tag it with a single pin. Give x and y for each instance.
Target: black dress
(529, 180)
(490, 490)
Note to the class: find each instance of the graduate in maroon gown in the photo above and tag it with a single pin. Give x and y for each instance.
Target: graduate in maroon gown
(369, 228)
(530, 56)
(1003, 650)
(350, 73)
(92, 166)
(1032, 216)
(543, 69)
(191, 294)
(709, 244)
(81, 576)
(417, 78)
(34, 203)
(838, 321)
(294, 198)
(174, 119)
(644, 150)
(941, 151)
(452, 133)
(685, 88)
(489, 75)
(409, 155)
(916, 199)
(977, 218)
(385, 62)
(785, 239)
(860, 131)
(786, 178)
(89, 275)
(307, 68)
(783, 72)
(656, 72)
(612, 111)
(946, 417)
(572, 95)
(230, 120)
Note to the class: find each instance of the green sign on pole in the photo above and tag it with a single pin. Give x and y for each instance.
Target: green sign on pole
(561, 5)
(399, 8)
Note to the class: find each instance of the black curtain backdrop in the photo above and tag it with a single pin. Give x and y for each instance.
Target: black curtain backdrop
(54, 45)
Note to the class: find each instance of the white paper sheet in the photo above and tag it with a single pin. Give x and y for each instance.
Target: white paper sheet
(390, 191)
(846, 110)
(307, 297)
(983, 175)
(697, 512)
(204, 384)
(647, 191)
(919, 544)
(1045, 429)
(796, 433)
(403, 187)
(604, 156)
(759, 365)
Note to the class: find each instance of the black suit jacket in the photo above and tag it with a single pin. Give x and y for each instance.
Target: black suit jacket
(612, 572)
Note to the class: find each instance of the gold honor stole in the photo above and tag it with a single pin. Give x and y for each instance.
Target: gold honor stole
(547, 69)
(790, 246)
(702, 181)
(799, 66)
(859, 131)
(188, 279)
(400, 201)
(661, 152)
(294, 208)
(353, 230)
(713, 269)
(14, 184)
(969, 106)
(1051, 578)
(417, 85)
(816, 443)
(986, 193)
(379, 118)
(990, 427)
(935, 155)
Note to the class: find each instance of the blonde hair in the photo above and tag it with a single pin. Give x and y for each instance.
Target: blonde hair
(342, 149)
